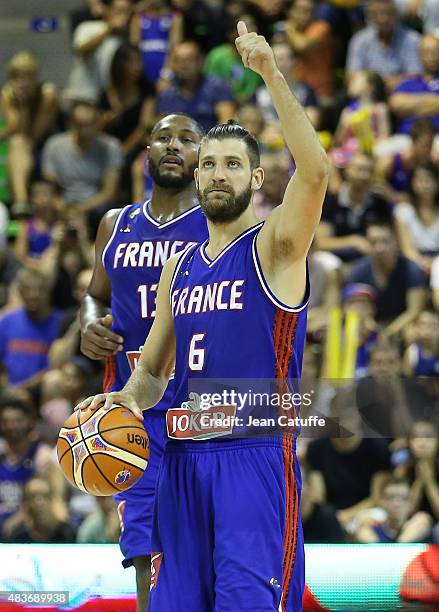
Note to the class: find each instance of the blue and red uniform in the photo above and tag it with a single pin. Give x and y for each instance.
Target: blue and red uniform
(133, 259)
(226, 525)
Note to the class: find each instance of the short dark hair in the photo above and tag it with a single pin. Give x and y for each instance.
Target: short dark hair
(17, 403)
(422, 127)
(232, 129)
(198, 129)
(381, 221)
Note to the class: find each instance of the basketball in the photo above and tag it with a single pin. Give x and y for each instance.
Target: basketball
(103, 452)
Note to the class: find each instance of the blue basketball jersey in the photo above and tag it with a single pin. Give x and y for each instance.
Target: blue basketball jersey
(133, 259)
(422, 364)
(154, 43)
(13, 477)
(234, 337)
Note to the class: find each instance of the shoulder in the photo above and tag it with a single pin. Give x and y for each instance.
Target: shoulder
(57, 141)
(363, 37)
(405, 212)
(408, 35)
(413, 273)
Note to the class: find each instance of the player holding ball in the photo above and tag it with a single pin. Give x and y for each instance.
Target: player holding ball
(227, 530)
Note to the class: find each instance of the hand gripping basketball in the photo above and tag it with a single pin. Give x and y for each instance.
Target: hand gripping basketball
(109, 399)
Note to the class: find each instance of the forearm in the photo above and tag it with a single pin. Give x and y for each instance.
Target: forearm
(102, 197)
(92, 309)
(406, 105)
(299, 134)
(432, 493)
(146, 389)
(92, 44)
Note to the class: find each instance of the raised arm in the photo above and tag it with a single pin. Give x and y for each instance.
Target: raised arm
(148, 382)
(287, 234)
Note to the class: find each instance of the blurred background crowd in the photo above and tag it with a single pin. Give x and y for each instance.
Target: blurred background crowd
(73, 134)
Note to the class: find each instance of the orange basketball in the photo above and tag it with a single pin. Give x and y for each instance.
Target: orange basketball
(103, 452)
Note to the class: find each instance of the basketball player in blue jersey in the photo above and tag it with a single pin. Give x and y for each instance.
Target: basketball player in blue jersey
(226, 522)
(117, 313)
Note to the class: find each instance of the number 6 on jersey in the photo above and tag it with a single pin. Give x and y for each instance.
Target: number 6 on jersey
(196, 355)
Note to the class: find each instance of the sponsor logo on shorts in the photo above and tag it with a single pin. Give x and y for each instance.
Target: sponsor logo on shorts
(275, 582)
(156, 561)
(122, 476)
(191, 422)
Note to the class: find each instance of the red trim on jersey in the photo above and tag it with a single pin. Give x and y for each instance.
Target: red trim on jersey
(110, 373)
(291, 520)
(285, 326)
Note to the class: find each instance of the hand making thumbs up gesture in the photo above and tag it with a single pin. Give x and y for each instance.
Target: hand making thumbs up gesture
(255, 52)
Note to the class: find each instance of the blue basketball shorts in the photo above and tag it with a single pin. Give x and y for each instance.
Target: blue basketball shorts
(135, 506)
(227, 534)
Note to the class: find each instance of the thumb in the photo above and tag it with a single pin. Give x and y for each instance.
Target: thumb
(242, 28)
(107, 320)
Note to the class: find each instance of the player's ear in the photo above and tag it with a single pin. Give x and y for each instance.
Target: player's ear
(196, 176)
(257, 179)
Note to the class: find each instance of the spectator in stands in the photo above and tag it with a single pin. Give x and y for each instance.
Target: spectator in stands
(365, 121)
(8, 264)
(22, 456)
(319, 519)
(325, 281)
(426, 10)
(270, 137)
(202, 22)
(128, 102)
(30, 108)
(94, 10)
(422, 468)
(398, 282)
(102, 526)
(396, 525)
(422, 355)
(94, 45)
(209, 100)
(349, 468)
(384, 46)
(283, 54)
(27, 333)
(361, 299)
(311, 42)
(67, 343)
(35, 234)
(417, 222)
(418, 96)
(387, 401)
(346, 213)
(225, 62)
(156, 30)
(37, 522)
(85, 164)
(396, 169)
(276, 176)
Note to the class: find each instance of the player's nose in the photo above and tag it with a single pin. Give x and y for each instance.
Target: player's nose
(174, 143)
(219, 173)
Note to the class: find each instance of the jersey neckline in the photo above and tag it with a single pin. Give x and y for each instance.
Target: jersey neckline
(210, 262)
(159, 225)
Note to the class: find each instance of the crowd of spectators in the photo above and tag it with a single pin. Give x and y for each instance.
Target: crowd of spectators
(367, 72)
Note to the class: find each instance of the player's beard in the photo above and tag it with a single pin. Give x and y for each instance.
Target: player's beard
(227, 208)
(168, 180)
